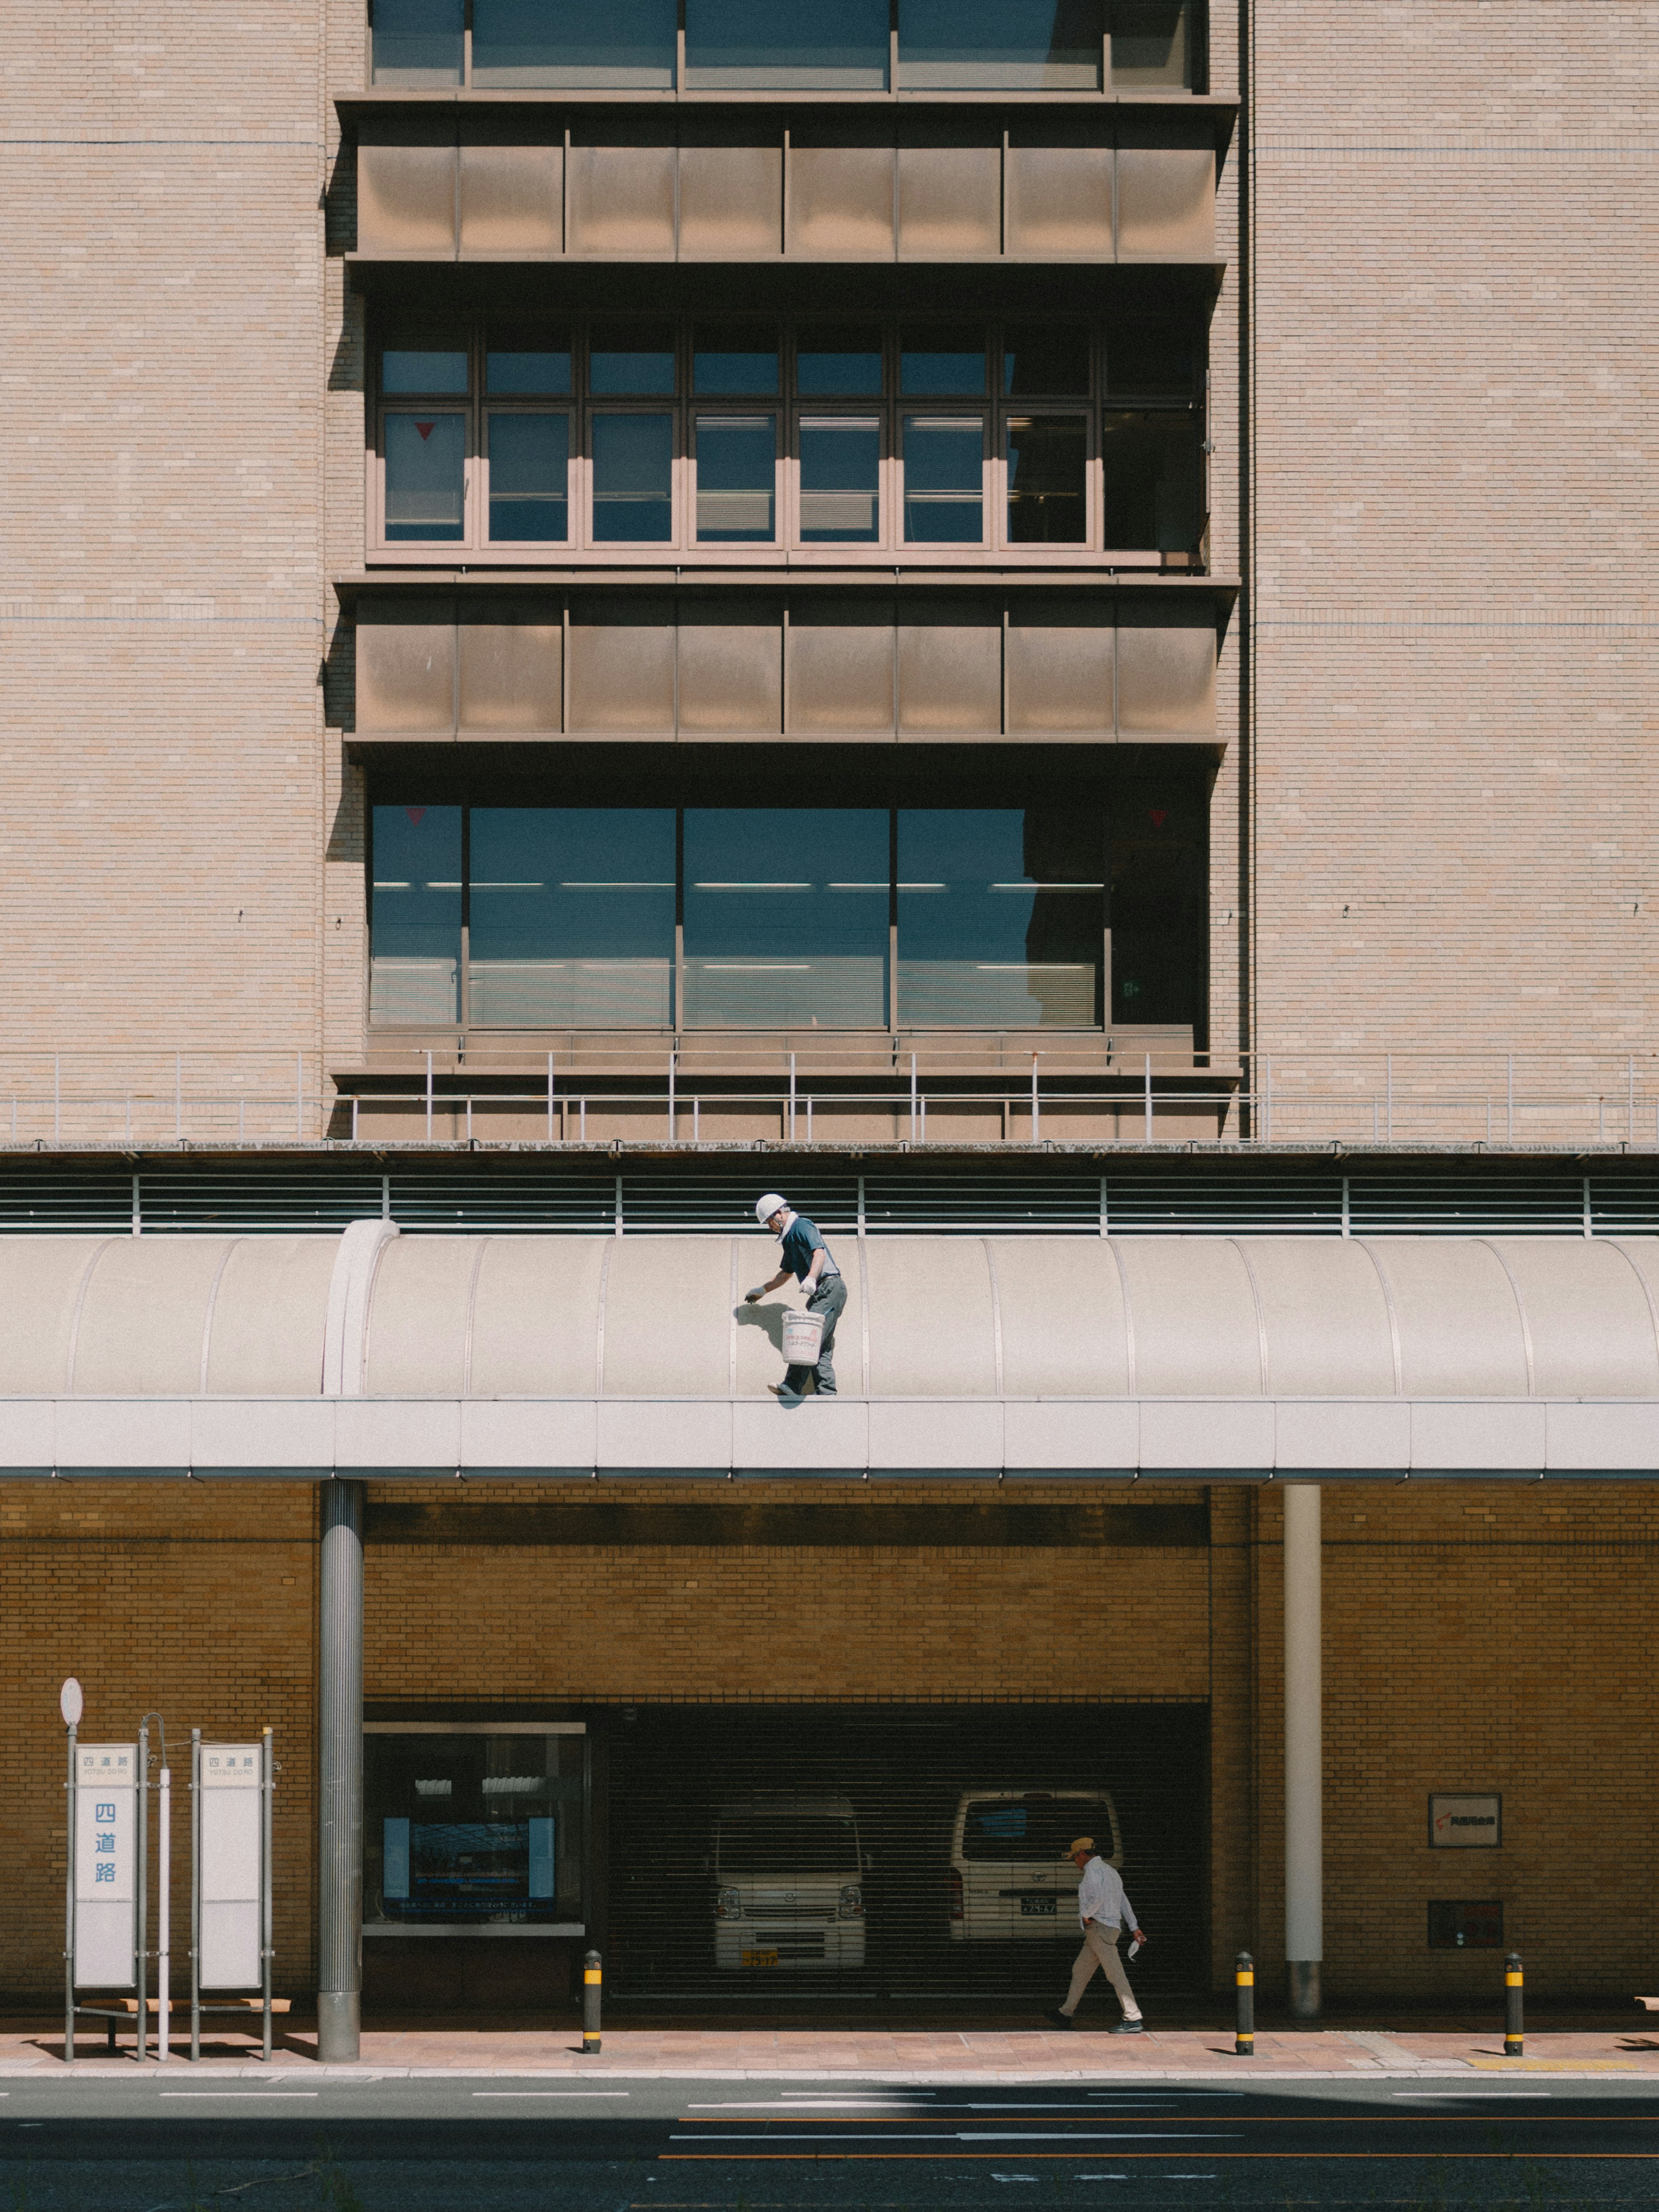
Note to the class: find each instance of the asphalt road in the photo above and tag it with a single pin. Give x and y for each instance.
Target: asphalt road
(167, 2143)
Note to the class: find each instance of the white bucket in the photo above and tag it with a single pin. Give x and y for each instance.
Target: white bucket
(803, 1338)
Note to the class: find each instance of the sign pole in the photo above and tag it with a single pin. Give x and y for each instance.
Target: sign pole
(70, 1705)
(142, 1901)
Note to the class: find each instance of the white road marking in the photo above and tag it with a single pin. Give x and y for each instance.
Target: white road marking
(551, 2093)
(965, 2134)
(1514, 2096)
(277, 2096)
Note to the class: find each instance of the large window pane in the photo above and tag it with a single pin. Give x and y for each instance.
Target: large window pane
(622, 43)
(425, 477)
(1009, 44)
(535, 363)
(734, 360)
(786, 43)
(1153, 485)
(1047, 460)
(943, 479)
(838, 360)
(1160, 873)
(1151, 45)
(629, 360)
(417, 41)
(1000, 917)
(473, 1831)
(840, 479)
(430, 366)
(1150, 361)
(786, 918)
(529, 479)
(414, 915)
(633, 479)
(942, 361)
(572, 917)
(737, 474)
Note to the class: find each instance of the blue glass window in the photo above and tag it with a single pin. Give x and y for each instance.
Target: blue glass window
(945, 361)
(840, 480)
(1046, 459)
(838, 360)
(785, 917)
(1001, 917)
(572, 917)
(633, 479)
(625, 44)
(787, 44)
(734, 360)
(415, 915)
(627, 360)
(417, 42)
(1011, 46)
(737, 474)
(536, 364)
(943, 479)
(429, 367)
(425, 478)
(529, 479)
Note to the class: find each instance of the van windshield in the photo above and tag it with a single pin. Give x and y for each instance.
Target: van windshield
(1033, 1827)
(788, 1843)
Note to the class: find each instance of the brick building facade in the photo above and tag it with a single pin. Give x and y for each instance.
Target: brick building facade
(386, 406)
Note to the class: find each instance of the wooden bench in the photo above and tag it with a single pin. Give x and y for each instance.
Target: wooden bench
(219, 2004)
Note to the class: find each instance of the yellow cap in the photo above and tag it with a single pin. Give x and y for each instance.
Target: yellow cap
(1080, 1843)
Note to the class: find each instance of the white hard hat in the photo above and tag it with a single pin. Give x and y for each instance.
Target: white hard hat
(767, 1207)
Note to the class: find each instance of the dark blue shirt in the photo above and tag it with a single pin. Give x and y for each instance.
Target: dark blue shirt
(800, 1241)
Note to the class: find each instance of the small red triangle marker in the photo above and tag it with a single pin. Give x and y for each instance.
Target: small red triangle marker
(416, 816)
(1160, 816)
(426, 430)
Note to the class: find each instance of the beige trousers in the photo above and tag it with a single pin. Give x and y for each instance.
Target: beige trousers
(1100, 1949)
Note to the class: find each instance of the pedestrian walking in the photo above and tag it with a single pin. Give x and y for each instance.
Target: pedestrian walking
(1102, 1909)
(809, 1259)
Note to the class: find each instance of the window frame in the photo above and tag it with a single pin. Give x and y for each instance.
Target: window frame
(995, 545)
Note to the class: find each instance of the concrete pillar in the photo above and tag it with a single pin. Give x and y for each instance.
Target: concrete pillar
(1305, 1779)
(340, 1774)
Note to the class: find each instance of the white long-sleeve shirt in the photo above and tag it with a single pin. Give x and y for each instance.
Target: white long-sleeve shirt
(1100, 1897)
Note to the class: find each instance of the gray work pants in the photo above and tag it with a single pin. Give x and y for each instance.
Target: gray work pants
(1100, 1949)
(828, 1298)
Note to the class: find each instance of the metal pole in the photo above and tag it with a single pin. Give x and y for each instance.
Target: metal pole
(141, 1806)
(1149, 1097)
(592, 1994)
(792, 1097)
(267, 1792)
(1390, 1127)
(913, 1097)
(164, 1917)
(1305, 1854)
(428, 1098)
(195, 1894)
(69, 1909)
(1036, 1104)
(1244, 1985)
(1514, 2038)
(179, 1095)
(299, 1097)
(549, 1097)
(1511, 1099)
(671, 1058)
(1630, 1099)
(340, 1773)
(56, 1098)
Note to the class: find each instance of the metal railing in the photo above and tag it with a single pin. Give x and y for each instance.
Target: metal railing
(1089, 1092)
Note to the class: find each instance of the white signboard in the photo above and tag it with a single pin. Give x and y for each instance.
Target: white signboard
(1466, 1823)
(231, 1809)
(106, 1865)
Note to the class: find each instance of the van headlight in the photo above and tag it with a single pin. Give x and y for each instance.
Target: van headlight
(852, 1901)
(728, 1905)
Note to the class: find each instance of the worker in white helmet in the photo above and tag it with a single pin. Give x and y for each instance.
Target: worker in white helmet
(809, 1259)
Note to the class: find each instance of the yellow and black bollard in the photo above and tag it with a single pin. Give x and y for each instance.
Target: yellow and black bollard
(592, 1990)
(1513, 2027)
(1244, 1982)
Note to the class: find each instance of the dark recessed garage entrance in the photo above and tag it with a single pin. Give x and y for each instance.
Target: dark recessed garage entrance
(844, 1852)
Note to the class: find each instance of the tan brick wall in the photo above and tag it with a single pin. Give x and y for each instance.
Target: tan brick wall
(1455, 633)
(196, 1598)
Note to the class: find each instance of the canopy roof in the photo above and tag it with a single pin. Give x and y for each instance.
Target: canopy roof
(955, 1354)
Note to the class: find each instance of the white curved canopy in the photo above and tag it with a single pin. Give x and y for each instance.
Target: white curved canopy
(956, 1354)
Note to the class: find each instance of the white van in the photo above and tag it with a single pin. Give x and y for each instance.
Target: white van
(788, 1883)
(1010, 1877)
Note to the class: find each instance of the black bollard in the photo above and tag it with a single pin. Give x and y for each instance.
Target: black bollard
(593, 1992)
(1244, 1982)
(1514, 2027)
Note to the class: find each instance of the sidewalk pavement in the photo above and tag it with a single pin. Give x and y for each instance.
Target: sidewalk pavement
(931, 2054)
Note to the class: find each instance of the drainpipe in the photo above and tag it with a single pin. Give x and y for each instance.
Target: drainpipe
(1304, 1812)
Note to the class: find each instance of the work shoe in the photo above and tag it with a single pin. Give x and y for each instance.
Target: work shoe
(1129, 2028)
(1062, 2020)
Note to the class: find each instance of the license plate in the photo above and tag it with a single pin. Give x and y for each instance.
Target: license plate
(768, 1957)
(1036, 1908)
